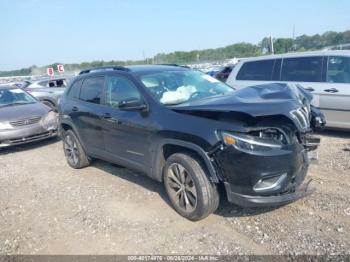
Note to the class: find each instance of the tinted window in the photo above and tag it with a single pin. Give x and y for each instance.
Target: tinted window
(61, 83)
(257, 70)
(277, 70)
(338, 69)
(91, 90)
(304, 69)
(75, 89)
(118, 89)
(227, 69)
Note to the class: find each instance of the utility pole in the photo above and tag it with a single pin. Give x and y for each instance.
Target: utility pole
(272, 51)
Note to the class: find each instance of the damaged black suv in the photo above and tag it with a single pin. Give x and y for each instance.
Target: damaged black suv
(193, 133)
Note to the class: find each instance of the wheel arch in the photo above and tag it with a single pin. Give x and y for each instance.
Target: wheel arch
(65, 125)
(168, 147)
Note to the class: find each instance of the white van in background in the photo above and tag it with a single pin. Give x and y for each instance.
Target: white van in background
(326, 74)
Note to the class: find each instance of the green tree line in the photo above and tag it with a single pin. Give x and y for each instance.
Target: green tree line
(281, 45)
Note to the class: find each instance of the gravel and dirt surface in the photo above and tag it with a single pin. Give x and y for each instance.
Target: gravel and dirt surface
(48, 208)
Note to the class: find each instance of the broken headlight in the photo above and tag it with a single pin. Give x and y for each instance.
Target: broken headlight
(49, 121)
(4, 126)
(262, 140)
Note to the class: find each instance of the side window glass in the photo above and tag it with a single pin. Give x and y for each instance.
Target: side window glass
(75, 89)
(60, 83)
(303, 69)
(338, 69)
(43, 83)
(276, 70)
(92, 89)
(118, 89)
(257, 70)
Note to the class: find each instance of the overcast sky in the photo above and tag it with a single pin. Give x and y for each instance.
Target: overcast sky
(40, 32)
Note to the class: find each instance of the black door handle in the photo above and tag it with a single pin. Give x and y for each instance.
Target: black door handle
(109, 118)
(106, 116)
(331, 90)
(75, 109)
(310, 89)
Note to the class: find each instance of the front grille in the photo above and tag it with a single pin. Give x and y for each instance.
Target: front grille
(26, 122)
(28, 138)
(302, 116)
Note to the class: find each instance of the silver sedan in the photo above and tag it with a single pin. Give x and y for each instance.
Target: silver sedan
(24, 119)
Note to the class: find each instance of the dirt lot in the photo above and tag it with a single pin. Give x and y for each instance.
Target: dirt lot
(48, 208)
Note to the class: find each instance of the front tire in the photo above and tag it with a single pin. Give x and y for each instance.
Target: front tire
(190, 192)
(73, 150)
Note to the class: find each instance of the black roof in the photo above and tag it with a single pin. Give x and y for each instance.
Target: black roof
(155, 68)
(135, 68)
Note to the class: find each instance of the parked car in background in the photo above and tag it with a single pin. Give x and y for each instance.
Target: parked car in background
(211, 71)
(48, 91)
(22, 84)
(193, 133)
(326, 74)
(24, 119)
(224, 72)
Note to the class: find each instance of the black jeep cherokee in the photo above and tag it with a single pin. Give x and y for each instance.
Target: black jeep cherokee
(193, 133)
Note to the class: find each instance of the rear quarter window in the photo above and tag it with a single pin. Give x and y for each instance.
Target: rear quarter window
(256, 70)
(338, 70)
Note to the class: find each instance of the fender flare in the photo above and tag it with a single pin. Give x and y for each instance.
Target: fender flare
(158, 162)
(66, 120)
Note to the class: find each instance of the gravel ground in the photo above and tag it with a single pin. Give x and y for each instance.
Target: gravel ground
(48, 208)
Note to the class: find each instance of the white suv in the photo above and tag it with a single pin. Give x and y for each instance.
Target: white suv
(326, 74)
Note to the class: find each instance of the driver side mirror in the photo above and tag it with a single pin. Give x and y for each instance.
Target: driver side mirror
(132, 104)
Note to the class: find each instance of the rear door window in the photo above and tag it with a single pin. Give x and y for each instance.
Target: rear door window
(303, 69)
(256, 70)
(92, 90)
(338, 69)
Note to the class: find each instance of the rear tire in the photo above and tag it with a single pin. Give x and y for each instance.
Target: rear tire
(190, 192)
(73, 150)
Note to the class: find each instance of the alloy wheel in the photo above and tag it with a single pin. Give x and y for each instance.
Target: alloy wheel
(181, 187)
(71, 149)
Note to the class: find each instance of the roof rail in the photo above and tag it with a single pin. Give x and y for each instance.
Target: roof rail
(184, 66)
(104, 68)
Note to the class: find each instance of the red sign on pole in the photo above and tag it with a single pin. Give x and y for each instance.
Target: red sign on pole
(50, 71)
(60, 68)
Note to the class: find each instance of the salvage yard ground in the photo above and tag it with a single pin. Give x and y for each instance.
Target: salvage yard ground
(48, 208)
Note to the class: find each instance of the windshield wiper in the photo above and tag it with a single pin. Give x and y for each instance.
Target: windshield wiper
(174, 104)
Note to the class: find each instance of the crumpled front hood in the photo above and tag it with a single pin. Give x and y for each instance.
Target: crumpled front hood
(260, 100)
(18, 112)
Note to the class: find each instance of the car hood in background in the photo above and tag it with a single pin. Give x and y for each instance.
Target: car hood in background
(260, 100)
(18, 112)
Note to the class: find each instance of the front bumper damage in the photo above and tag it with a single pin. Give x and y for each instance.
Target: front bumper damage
(267, 201)
(242, 171)
(27, 134)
